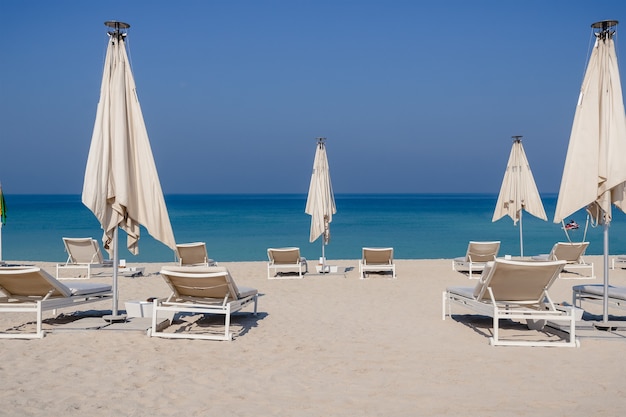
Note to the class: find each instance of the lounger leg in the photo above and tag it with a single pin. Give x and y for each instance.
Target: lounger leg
(576, 301)
(227, 335)
(572, 328)
(154, 318)
(39, 319)
(496, 323)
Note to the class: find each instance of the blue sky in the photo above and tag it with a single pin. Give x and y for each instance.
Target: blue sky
(413, 96)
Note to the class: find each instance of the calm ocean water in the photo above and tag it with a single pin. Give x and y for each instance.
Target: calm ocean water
(242, 227)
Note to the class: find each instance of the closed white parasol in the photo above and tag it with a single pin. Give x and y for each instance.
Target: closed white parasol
(121, 185)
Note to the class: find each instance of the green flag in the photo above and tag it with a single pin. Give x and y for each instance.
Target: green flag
(3, 208)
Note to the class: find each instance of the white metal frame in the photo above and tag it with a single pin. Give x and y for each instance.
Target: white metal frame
(476, 257)
(178, 302)
(96, 261)
(541, 310)
(564, 250)
(514, 312)
(375, 264)
(582, 293)
(196, 250)
(59, 296)
(301, 265)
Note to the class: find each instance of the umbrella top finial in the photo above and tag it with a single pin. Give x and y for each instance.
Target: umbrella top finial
(517, 138)
(604, 24)
(120, 27)
(116, 25)
(604, 27)
(320, 140)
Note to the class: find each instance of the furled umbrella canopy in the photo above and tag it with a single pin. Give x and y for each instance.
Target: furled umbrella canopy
(121, 185)
(320, 204)
(518, 191)
(595, 167)
(594, 175)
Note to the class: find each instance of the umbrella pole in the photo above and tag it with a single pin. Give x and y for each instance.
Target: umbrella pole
(115, 266)
(521, 235)
(0, 241)
(605, 303)
(323, 257)
(115, 317)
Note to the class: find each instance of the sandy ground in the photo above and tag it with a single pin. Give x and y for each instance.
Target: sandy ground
(321, 346)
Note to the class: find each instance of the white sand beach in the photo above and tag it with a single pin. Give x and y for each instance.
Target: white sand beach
(321, 346)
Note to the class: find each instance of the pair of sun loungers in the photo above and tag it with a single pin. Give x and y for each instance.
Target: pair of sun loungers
(479, 253)
(197, 290)
(289, 260)
(85, 253)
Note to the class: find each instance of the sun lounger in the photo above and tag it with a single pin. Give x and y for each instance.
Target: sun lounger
(193, 254)
(594, 293)
(376, 260)
(33, 290)
(477, 255)
(572, 253)
(83, 253)
(285, 259)
(515, 290)
(201, 290)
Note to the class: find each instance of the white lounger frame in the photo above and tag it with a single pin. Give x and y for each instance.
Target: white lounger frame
(201, 297)
(514, 312)
(33, 290)
(573, 266)
(96, 261)
(538, 309)
(476, 257)
(301, 266)
(580, 294)
(39, 306)
(377, 262)
(198, 253)
(225, 308)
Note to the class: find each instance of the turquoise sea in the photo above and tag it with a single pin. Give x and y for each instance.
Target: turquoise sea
(242, 227)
